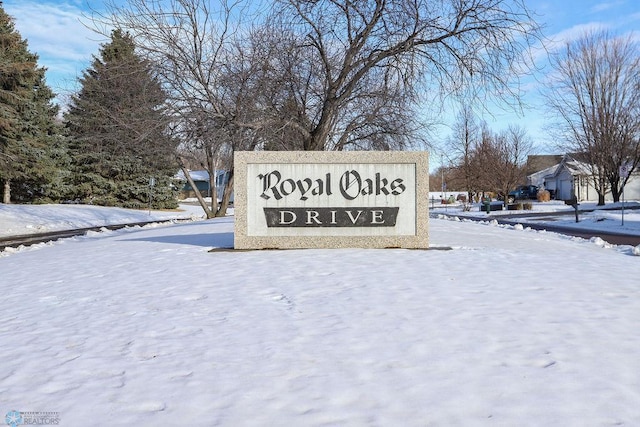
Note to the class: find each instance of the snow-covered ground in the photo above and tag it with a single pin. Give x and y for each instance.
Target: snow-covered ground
(147, 327)
(29, 219)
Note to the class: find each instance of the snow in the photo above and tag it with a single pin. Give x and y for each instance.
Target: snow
(30, 219)
(495, 326)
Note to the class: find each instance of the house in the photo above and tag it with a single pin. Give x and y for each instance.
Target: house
(201, 180)
(571, 178)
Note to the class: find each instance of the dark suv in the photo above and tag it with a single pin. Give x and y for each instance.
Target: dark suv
(523, 192)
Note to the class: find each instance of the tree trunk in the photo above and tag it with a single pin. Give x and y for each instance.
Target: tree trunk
(226, 195)
(213, 178)
(210, 214)
(320, 135)
(616, 196)
(213, 190)
(228, 189)
(6, 192)
(616, 191)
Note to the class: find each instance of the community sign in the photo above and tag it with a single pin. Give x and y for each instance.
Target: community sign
(300, 199)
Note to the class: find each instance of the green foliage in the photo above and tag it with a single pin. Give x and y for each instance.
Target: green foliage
(28, 132)
(118, 129)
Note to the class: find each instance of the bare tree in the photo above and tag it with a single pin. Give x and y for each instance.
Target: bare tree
(487, 161)
(499, 159)
(596, 92)
(281, 85)
(189, 42)
(446, 44)
(507, 170)
(206, 147)
(462, 146)
(327, 75)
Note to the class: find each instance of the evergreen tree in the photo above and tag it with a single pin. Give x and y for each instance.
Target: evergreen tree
(28, 132)
(117, 124)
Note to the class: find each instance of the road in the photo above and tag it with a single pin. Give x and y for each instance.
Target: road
(512, 219)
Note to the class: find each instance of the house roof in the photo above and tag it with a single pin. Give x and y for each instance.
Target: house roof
(576, 167)
(568, 162)
(539, 177)
(199, 175)
(539, 162)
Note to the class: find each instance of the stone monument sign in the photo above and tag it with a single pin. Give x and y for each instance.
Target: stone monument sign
(303, 199)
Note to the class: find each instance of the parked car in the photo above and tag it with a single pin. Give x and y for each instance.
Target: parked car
(523, 192)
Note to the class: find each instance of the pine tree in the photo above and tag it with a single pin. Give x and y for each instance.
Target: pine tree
(117, 124)
(27, 120)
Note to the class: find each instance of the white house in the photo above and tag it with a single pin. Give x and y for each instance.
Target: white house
(570, 178)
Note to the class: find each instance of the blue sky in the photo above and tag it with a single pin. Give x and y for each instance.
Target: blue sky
(55, 32)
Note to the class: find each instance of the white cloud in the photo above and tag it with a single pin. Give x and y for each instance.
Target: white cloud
(560, 39)
(604, 6)
(57, 34)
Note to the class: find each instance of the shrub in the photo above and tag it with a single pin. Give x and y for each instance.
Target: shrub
(544, 196)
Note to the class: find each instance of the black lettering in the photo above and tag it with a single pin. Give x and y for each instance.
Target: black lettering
(303, 189)
(367, 187)
(397, 187)
(328, 180)
(381, 185)
(267, 185)
(351, 184)
(290, 190)
(319, 188)
(346, 183)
